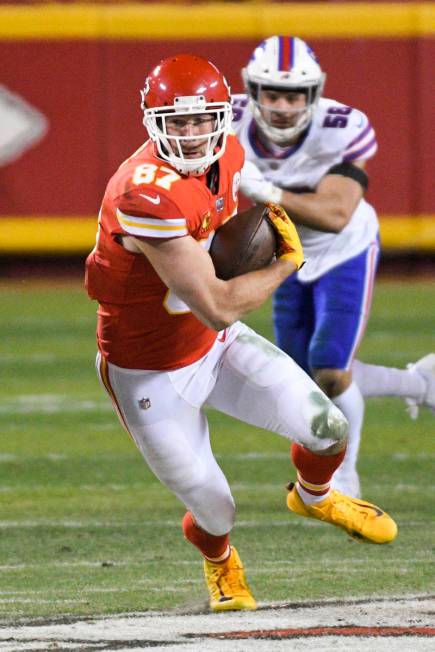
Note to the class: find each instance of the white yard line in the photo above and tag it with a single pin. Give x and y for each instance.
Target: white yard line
(275, 567)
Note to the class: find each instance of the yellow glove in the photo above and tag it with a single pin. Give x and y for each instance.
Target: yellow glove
(289, 245)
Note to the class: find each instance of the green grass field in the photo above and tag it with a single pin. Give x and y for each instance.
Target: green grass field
(85, 529)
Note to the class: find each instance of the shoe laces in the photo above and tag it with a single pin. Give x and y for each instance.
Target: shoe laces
(340, 505)
(229, 578)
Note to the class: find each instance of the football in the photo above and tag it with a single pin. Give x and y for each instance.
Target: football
(244, 244)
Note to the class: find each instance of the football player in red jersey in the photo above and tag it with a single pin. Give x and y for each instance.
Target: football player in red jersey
(168, 333)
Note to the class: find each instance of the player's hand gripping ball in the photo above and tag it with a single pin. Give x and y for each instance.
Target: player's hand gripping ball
(245, 243)
(289, 245)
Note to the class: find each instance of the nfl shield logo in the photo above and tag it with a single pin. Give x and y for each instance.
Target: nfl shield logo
(220, 201)
(144, 403)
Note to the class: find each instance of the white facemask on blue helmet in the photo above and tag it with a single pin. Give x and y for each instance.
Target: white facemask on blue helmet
(288, 64)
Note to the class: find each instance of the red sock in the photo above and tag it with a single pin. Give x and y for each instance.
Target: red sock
(315, 471)
(215, 548)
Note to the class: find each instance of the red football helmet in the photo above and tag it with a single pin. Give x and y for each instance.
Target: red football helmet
(186, 85)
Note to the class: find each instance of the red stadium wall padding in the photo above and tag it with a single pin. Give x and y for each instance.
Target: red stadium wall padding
(88, 90)
(62, 174)
(90, 94)
(422, 102)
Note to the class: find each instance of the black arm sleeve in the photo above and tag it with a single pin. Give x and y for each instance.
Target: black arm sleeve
(352, 171)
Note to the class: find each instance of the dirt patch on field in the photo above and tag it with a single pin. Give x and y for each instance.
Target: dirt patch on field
(404, 624)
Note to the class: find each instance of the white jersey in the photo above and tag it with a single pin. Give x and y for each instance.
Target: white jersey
(337, 134)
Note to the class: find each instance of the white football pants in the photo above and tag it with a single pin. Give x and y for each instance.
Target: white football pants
(243, 375)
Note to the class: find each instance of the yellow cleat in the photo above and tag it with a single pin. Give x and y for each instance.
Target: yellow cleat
(227, 585)
(362, 521)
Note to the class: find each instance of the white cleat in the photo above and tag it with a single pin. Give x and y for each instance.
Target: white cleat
(425, 367)
(346, 481)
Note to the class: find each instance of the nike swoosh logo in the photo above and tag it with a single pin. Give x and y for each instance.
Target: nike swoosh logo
(378, 511)
(223, 336)
(153, 200)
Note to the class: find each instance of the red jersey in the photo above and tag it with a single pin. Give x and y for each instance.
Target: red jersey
(141, 323)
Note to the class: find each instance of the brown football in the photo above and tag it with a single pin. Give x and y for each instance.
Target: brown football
(244, 244)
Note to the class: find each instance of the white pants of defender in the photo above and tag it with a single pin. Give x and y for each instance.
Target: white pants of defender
(244, 376)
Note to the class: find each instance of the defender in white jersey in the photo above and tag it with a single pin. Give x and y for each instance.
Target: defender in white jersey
(308, 154)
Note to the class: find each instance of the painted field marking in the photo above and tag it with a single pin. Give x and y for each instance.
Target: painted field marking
(299, 632)
(405, 621)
